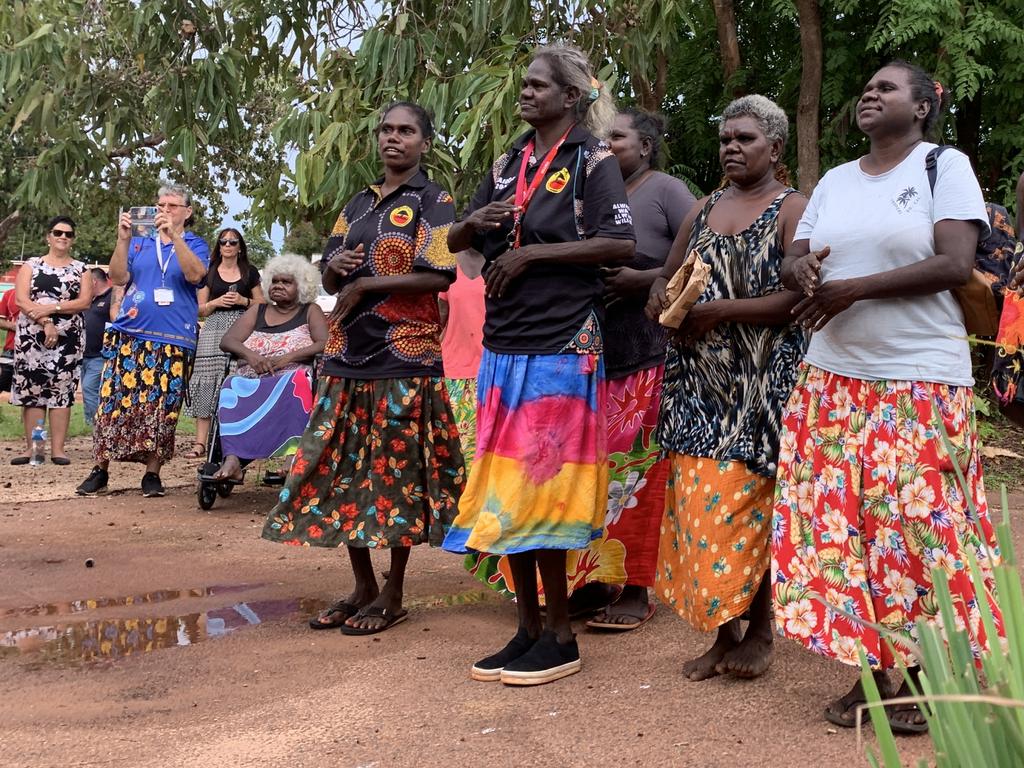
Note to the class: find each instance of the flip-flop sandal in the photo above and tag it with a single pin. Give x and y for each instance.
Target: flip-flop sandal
(901, 727)
(337, 615)
(198, 451)
(613, 627)
(390, 619)
(207, 474)
(836, 718)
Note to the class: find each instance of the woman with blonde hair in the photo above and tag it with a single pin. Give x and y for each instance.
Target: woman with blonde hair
(551, 213)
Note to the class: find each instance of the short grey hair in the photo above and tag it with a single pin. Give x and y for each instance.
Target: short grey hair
(178, 190)
(307, 276)
(770, 117)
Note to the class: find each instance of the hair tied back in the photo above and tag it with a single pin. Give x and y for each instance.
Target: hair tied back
(595, 89)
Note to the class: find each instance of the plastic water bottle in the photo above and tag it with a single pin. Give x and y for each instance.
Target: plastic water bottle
(38, 445)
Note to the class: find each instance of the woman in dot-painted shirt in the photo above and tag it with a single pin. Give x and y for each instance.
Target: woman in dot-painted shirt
(380, 466)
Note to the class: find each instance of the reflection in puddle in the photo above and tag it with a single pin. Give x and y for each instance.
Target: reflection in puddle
(157, 596)
(113, 639)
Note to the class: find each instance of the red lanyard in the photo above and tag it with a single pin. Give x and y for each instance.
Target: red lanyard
(524, 194)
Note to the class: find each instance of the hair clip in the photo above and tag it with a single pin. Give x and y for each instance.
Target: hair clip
(938, 90)
(595, 89)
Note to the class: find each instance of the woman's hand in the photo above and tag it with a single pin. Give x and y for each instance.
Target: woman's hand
(807, 269)
(50, 335)
(1017, 274)
(657, 300)
(346, 262)
(264, 366)
(624, 283)
(38, 312)
(163, 223)
(700, 321)
(506, 268)
(232, 299)
(348, 298)
(827, 301)
(491, 216)
(124, 228)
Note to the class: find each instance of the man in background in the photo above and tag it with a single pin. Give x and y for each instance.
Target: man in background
(97, 316)
(8, 318)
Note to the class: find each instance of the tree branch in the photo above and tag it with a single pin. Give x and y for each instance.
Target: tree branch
(8, 224)
(148, 142)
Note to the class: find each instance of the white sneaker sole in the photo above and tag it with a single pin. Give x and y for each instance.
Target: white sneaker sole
(485, 675)
(541, 676)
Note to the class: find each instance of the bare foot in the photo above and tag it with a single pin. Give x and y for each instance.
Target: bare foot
(230, 469)
(629, 610)
(704, 666)
(751, 658)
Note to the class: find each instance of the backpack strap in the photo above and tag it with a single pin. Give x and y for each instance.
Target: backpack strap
(931, 164)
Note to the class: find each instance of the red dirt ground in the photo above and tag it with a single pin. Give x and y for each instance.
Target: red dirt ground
(186, 645)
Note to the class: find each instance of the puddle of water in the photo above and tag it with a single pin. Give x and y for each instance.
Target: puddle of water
(102, 640)
(114, 639)
(157, 596)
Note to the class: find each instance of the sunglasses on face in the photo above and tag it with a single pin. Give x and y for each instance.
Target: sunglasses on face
(227, 241)
(63, 233)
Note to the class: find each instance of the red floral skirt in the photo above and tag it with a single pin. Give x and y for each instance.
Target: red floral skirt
(868, 507)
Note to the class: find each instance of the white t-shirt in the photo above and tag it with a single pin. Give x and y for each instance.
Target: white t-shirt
(876, 224)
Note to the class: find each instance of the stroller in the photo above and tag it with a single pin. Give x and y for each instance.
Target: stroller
(257, 418)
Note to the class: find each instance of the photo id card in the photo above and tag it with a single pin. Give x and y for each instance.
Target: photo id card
(163, 296)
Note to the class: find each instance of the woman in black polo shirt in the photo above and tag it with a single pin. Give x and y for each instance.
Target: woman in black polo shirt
(551, 213)
(379, 466)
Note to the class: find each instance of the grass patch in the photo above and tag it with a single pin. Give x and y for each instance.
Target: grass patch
(11, 428)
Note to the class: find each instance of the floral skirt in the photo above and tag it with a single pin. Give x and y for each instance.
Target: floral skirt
(141, 392)
(540, 479)
(627, 551)
(463, 396)
(378, 466)
(868, 507)
(714, 541)
(1008, 367)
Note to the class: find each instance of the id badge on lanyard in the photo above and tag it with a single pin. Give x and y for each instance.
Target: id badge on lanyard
(163, 295)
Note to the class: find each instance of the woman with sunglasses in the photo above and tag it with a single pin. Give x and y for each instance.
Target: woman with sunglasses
(150, 345)
(232, 286)
(50, 337)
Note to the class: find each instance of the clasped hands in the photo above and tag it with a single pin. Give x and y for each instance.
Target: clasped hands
(822, 301)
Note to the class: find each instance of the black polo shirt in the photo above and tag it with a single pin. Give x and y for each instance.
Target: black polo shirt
(389, 336)
(96, 318)
(551, 308)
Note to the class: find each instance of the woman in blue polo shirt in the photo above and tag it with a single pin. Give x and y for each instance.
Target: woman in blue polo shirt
(551, 213)
(380, 466)
(150, 346)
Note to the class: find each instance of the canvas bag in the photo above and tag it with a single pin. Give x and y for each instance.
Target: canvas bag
(981, 313)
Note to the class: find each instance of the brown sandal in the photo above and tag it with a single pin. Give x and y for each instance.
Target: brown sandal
(198, 451)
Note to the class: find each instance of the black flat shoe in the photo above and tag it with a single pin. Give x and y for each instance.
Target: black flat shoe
(20, 461)
(60, 461)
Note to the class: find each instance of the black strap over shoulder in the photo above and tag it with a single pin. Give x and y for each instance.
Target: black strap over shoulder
(931, 164)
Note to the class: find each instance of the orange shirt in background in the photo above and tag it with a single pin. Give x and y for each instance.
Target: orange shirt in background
(462, 344)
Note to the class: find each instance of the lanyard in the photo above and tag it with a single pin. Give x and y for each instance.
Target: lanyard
(524, 194)
(160, 259)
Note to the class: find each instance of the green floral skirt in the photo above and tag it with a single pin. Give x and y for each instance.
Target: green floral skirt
(378, 466)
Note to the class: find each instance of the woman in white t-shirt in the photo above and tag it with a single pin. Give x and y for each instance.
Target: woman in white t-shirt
(868, 505)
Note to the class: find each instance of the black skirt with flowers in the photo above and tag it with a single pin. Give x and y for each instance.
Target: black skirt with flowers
(378, 466)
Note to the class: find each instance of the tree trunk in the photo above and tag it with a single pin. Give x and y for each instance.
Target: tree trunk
(8, 224)
(808, 153)
(725, 21)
